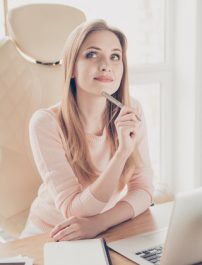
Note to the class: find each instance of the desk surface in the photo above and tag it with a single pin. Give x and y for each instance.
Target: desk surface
(156, 217)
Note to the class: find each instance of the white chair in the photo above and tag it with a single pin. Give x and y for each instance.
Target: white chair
(39, 31)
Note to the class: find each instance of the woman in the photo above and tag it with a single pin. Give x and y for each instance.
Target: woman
(92, 156)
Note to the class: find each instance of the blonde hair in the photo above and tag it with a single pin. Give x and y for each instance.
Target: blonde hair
(78, 153)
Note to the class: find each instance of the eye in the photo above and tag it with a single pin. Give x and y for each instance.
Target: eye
(91, 54)
(115, 57)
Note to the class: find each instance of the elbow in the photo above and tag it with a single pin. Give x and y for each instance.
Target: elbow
(140, 200)
(67, 210)
(78, 209)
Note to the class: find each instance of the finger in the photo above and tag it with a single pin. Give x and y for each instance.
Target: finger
(57, 229)
(126, 129)
(62, 225)
(123, 124)
(127, 110)
(128, 117)
(72, 236)
(63, 233)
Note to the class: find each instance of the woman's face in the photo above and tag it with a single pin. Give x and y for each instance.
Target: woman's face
(99, 65)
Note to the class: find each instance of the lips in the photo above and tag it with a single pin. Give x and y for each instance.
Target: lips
(103, 78)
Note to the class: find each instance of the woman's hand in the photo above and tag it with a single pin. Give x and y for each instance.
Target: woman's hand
(75, 228)
(126, 125)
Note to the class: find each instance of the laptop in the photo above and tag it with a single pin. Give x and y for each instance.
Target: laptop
(179, 244)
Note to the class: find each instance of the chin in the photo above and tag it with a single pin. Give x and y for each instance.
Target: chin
(110, 91)
(99, 89)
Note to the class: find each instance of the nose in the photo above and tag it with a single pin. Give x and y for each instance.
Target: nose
(105, 67)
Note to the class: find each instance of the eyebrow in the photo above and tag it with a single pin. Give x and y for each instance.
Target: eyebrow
(97, 48)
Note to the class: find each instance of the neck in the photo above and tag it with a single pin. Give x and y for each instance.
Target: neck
(92, 108)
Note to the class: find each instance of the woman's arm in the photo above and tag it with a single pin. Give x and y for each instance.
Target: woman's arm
(121, 212)
(140, 186)
(103, 187)
(75, 228)
(126, 125)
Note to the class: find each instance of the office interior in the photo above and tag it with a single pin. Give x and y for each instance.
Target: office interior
(165, 75)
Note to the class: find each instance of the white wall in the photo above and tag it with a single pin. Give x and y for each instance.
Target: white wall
(184, 92)
(198, 107)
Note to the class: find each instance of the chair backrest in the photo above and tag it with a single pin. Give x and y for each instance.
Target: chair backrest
(39, 31)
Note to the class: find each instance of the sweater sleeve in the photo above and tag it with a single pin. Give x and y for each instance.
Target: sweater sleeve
(140, 187)
(47, 143)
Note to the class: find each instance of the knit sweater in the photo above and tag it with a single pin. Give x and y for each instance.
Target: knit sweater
(61, 194)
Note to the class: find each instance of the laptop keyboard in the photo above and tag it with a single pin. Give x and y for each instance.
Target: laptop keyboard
(152, 255)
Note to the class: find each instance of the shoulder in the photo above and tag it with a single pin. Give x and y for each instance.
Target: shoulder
(40, 118)
(44, 117)
(45, 127)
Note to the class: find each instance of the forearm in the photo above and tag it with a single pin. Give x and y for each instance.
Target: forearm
(75, 228)
(121, 212)
(106, 183)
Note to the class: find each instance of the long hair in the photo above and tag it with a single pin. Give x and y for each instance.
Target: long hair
(69, 115)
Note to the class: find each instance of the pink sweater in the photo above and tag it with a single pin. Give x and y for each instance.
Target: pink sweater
(60, 194)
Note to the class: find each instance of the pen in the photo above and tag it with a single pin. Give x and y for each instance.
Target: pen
(115, 101)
